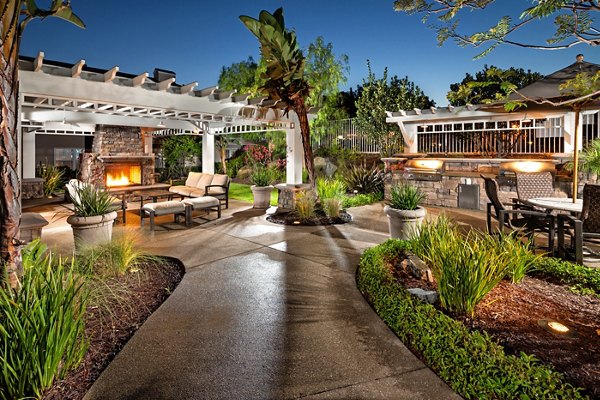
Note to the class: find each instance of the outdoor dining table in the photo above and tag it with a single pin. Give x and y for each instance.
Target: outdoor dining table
(557, 203)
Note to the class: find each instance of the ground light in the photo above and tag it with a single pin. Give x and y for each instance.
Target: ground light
(556, 327)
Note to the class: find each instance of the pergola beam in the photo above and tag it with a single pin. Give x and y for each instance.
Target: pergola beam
(38, 63)
(110, 75)
(139, 80)
(77, 68)
(185, 89)
(162, 86)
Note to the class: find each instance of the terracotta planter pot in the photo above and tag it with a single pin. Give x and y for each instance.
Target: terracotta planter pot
(262, 196)
(92, 231)
(404, 224)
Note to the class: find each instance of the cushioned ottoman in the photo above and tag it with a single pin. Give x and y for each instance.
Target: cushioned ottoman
(151, 210)
(201, 203)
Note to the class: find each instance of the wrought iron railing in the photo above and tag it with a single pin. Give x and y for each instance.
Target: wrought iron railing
(344, 134)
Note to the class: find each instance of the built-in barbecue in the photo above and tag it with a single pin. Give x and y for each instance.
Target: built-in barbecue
(508, 170)
(423, 169)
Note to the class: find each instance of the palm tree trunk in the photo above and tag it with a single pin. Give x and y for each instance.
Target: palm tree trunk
(300, 109)
(10, 199)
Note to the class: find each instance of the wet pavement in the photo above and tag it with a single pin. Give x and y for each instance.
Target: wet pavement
(264, 311)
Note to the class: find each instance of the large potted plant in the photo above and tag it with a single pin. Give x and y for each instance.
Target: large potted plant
(405, 215)
(261, 179)
(93, 217)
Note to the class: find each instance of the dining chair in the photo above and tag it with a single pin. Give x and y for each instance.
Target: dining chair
(586, 228)
(534, 184)
(515, 218)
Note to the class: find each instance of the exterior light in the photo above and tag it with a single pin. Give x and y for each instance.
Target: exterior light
(427, 163)
(527, 166)
(556, 327)
(161, 124)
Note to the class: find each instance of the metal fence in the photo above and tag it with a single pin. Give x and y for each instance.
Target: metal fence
(344, 134)
(493, 138)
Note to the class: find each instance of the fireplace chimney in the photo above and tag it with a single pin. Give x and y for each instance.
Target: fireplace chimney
(162, 74)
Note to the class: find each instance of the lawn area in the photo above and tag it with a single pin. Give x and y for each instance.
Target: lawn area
(242, 192)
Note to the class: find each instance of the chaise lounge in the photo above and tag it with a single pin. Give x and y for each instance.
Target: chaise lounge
(199, 184)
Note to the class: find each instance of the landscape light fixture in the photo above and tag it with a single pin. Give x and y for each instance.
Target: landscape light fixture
(556, 327)
(161, 124)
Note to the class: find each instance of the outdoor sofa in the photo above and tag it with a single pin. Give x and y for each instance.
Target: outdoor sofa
(199, 184)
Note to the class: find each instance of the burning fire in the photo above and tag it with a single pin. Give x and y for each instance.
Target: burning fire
(119, 179)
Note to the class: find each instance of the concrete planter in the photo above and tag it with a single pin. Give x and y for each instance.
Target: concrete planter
(92, 231)
(262, 196)
(404, 224)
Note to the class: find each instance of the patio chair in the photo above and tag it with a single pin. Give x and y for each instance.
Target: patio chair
(515, 218)
(586, 228)
(116, 202)
(534, 184)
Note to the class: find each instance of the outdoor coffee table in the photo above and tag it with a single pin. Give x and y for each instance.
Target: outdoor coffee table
(557, 203)
(152, 194)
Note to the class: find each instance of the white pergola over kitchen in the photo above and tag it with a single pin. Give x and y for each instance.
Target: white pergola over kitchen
(71, 99)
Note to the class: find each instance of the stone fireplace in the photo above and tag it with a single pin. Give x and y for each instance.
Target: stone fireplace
(118, 158)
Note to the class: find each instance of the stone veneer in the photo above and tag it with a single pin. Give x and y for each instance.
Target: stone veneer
(286, 199)
(116, 144)
(444, 193)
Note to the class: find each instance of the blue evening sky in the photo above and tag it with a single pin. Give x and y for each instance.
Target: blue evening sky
(196, 38)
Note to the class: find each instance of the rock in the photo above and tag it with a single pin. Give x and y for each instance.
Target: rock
(428, 296)
(324, 166)
(418, 268)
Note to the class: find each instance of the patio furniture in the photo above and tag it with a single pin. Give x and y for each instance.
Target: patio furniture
(31, 226)
(557, 204)
(517, 219)
(207, 203)
(151, 210)
(200, 184)
(116, 202)
(586, 228)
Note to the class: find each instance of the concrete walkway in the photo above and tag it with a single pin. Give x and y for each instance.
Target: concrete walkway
(265, 312)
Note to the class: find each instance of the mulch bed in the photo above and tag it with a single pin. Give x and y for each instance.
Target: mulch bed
(292, 218)
(140, 294)
(510, 313)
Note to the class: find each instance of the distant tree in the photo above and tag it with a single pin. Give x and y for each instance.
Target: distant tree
(381, 95)
(243, 76)
(574, 22)
(176, 149)
(346, 101)
(489, 85)
(284, 74)
(14, 16)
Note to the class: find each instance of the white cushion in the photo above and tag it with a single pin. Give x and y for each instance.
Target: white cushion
(201, 202)
(204, 181)
(220, 179)
(196, 193)
(165, 207)
(182, 190)
(216, 190)
(193, 178)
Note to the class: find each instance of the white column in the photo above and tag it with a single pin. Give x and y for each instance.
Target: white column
(208, 153)
(21, 155)
(28, 154)
(294, 157)
(569, 132)
(409, 134)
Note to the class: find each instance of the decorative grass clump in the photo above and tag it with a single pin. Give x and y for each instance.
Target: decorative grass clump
(331, 192)
(470, 362)
(467, 268)
(42, 330)
(404, 196)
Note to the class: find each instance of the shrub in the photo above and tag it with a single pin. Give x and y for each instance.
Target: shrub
(363, 179)
(331, 192)
(305, 204)
(42, 328)
(582, 279)
(468, 268)
(53, 177)
(91, 201)
(262, 176)
(361, 199)
(470, 362)
(404, 196)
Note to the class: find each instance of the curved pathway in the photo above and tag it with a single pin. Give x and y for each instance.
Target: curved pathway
(268, 312)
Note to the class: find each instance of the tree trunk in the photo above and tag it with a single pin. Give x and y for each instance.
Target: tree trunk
(222, 151)
(300, 109)
(10, 199)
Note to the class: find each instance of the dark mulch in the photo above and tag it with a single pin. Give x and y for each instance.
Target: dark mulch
(292, 218)
(510, 313)
(144, 292)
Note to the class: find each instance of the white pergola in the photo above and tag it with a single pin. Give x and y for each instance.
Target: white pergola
(71, 99)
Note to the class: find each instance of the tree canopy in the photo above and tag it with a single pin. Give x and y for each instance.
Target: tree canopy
(380, 95)
(243, 76)
(574, 22)
(489, 85)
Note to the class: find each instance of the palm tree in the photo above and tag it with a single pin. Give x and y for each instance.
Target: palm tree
(15, 14)
(284, 74)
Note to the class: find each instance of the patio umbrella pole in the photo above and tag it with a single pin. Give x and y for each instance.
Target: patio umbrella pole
(576, 155)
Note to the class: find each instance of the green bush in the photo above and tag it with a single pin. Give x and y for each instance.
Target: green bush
(331, 192)
(361, 179)
(467, 268)
(90, 201)
(405, 196)
(361, 199)
(42, 331)
(53, 179)
(305, 204)
(582, 279)
(262, 176)
(470, 362)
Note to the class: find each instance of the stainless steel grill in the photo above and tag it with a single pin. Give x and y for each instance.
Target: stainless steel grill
(423, 169)
(507, 173)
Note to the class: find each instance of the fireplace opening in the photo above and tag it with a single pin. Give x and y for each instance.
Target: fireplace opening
(122, 174)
